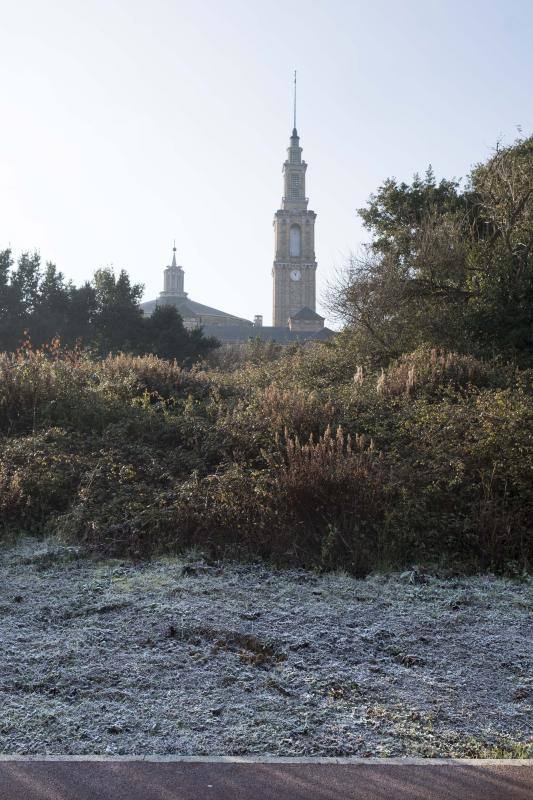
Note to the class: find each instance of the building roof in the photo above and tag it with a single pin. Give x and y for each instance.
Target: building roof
(282, 335)
(306, 313)
(190, 308)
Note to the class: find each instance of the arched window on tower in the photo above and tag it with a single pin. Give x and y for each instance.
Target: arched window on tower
(295, 241)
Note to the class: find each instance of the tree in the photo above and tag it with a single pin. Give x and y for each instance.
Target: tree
(396, 298)
(166, 336)
(9, 311)
(104, 313)
(82, 309)
(501, 314)
(118, 315)
(6, 265)
(396, 212)
(51, 315)
(18, 295)
(25, 282)
(447, 267)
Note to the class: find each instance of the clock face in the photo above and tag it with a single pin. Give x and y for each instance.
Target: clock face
(296, 275)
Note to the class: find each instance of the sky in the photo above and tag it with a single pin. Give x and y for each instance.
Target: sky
(127, 124)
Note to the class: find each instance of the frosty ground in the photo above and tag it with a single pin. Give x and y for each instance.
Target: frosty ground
(181, 657)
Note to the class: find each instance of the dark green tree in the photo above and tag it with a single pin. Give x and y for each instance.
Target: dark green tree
(103, 314)
(20, 286)
(9, 311)
(118, 318)
(82, 309)
(25, 280)
(167, 337)
(51, 317)
(398, 211)
(500, 315)
(447, 267)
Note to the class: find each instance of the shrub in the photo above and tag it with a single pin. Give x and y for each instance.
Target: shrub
(335, 495)
(38, 476)
(430, 460)
(432, 372)
(473, 461)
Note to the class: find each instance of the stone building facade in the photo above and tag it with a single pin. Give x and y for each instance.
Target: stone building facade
(294, 314)
(294, 269)
(194, 314)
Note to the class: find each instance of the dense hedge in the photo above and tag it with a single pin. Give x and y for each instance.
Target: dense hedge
(300, 457)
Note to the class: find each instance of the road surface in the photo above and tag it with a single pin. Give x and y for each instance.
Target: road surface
(164, 779)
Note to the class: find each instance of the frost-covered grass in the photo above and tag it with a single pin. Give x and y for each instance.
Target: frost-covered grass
(178, 656)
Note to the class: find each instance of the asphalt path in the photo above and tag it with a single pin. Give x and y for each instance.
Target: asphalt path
(230, 780)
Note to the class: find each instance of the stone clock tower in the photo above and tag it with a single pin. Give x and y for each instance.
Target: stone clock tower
(294, 270)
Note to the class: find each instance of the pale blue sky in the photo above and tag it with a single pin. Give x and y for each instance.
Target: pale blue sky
(127, 123)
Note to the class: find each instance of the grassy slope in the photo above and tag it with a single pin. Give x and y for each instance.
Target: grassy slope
(179, 656)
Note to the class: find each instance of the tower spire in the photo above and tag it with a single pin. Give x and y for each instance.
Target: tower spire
(294, 120)
(173, 278)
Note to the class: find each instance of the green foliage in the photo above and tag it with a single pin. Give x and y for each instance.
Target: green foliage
(118, 318)
(167, 337)
(426, 461)
(396, 212)
(104, 314)
(501, 259)
(446, 266)
(38, 475)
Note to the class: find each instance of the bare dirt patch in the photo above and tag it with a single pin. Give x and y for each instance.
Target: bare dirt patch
(180, 657)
